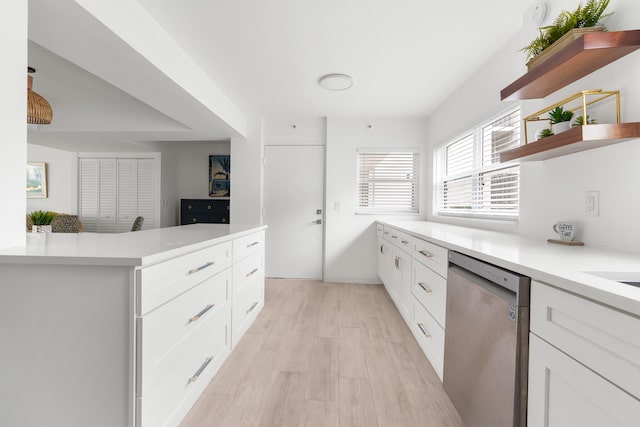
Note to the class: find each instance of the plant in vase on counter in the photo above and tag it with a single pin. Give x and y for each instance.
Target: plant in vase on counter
(41, 221)
(560, 119)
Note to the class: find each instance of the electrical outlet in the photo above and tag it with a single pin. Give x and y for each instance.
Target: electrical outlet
(592, 203)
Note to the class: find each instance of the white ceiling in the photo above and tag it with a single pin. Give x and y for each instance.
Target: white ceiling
(406, 56)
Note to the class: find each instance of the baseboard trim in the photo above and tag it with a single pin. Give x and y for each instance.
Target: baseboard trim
(360, 280)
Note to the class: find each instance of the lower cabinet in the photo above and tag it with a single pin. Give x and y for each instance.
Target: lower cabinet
(584, 362)
(184, 336)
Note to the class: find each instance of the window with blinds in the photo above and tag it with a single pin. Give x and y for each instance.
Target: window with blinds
(471, 181)
(388, 181)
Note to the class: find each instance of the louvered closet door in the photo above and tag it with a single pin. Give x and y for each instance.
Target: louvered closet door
(145, 192)
(127, 193)
(107, 196)
(88, 194)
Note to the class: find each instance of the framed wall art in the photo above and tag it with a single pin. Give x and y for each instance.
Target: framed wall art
(219, 176)
(37, 180)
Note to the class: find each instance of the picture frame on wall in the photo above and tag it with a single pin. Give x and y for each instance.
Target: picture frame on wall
(220, 176)
(37, 180)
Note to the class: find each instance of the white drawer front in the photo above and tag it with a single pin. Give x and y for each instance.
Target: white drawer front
(161, 282)
(172, 397)
(246, 308)
(246, 245)
(602, 338)
(431, 290)
(379, 230)
(386, 232)
(246, 271)
(429, 335)
(165, 335)
(401, 239)
(433, 256)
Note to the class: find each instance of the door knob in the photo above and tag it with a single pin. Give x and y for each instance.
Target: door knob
(317, 221)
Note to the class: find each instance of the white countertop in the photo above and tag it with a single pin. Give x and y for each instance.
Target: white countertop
(566, 267)
(122, 249)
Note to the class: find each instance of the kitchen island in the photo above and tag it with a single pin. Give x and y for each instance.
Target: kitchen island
(122, 329)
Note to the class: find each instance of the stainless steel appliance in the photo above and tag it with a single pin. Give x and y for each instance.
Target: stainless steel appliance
(486, 343)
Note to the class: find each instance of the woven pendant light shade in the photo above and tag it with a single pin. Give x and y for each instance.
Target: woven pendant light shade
(39, 110)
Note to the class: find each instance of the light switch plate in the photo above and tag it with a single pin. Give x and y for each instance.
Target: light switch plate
(592, 203)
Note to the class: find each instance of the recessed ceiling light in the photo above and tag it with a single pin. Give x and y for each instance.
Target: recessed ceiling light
(336, 81)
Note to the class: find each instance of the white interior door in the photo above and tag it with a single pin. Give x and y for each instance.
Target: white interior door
(293, 210)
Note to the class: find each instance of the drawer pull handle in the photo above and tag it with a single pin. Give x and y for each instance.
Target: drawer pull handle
(394, 237)
(404, 242)
(424, 330)
(251, 308)
(199, 315)
(426, 253)
(195, 376)
(386, 232)
(252, 272)
(252, 244)
(202, 267)
(424, 288)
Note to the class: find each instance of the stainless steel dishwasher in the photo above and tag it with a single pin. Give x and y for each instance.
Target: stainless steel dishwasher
(486, 349)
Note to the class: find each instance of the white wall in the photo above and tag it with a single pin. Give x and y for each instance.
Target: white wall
(246, 172)
(350, 239)
(62, 180)
(13, 127)
(553, 190)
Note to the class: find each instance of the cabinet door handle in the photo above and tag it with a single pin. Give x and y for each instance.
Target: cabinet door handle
(195, 376)
(251, 308)
(424, 330)
(426, 253)
(382, 249)
(252, 244)
(252, 272)
(202, 267)
(424, 288)
(202, 312)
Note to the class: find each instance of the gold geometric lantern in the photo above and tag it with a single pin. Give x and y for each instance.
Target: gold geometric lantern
(38, 109)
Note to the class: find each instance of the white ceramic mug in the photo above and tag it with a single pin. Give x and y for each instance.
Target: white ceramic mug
(566, 230)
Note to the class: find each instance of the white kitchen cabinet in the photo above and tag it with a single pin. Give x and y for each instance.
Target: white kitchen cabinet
(564, 392)
(584, 362)
(397, 270)
(127, 333)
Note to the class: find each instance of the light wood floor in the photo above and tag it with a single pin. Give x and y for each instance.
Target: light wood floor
(325, 354)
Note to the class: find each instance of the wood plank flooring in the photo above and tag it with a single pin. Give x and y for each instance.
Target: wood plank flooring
(325, 354)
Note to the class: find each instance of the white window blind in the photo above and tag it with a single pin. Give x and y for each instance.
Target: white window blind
(388, 181)
(471, 181)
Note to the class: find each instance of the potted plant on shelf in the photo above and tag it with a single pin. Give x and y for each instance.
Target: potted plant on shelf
(579, 121)
(566, 27)
(544, 133)
(41, 221)
(560, 119)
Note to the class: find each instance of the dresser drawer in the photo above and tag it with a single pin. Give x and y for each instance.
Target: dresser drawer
(429, 334)
(171, 398)
(246, 245)
(165, 335)
(161, 282)
(246, 308)
(249, 269)
(602, 338)
(400, 239)
(433, 256)
(431, 290)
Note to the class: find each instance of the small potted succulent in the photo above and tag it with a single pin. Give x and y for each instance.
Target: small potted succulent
(560, 119)
(579, 121)
(41, 221)
(544, 133)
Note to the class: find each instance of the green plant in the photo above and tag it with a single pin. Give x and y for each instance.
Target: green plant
(545, 132)
(579, 121)
(585, 16)
(559, 115)
(42, 217)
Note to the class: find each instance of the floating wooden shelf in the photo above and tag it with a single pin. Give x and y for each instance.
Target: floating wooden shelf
(579, 138)
(582, 56)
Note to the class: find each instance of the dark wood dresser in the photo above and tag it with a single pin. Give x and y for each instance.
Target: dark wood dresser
(194, 211)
